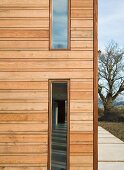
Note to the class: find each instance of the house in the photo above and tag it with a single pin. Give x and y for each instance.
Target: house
(48, 84)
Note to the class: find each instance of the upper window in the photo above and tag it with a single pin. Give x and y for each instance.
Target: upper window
(59, 24)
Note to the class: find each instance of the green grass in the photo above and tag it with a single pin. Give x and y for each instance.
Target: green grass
(115, 123)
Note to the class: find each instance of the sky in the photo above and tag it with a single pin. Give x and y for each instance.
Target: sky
(111, 22)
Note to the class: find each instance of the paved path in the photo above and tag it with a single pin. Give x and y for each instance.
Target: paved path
(111, 151)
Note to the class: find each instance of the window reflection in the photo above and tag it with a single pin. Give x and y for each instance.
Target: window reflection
(59, 24)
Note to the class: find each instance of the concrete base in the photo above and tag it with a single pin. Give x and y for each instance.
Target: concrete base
(111, 151)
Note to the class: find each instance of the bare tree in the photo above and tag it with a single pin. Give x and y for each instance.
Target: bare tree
(111, 75)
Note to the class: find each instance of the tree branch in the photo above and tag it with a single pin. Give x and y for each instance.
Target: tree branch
(121, 89)
(100, 94)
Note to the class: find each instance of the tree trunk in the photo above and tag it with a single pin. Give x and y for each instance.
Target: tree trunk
(108, 107)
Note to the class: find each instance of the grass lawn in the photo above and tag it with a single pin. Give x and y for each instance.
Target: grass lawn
(115, 123)
(116, 128)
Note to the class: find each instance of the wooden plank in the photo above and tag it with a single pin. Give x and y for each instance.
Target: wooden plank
(81, 107)
(41, 117)
(23, 148)
(82, 4)
(81, 116)
(24, 85)
(23, 101)
(20, 111)
(23, 127)
(85, 29)
(24, 33)
(81, 168)
(24, 106)
(81, 126)
(47, 54)
(84, 85)
(82, 23)
(82, 95)
(24, 3)
(23, 95)
(81, 160)
(82, 13)
(9, 45)
(76, 138)
(17, 65)
(24, 165)
(42, 76)
(81, 80)
(26, 138)
(82, 45)
(28, 39)
(25, 168)
(82, 34)
(20, 13)
(24, 23)
(28, 159)
(81, 148)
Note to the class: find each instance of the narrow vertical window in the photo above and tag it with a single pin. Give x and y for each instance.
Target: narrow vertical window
(59, 24)
(59, 125)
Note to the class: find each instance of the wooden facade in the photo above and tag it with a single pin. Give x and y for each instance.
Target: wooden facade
(26, 66)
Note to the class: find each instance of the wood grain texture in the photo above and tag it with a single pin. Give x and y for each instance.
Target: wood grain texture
(15, 167)
(95, 109)
(81, 160)
(47, 54)
(80, 106)
(76, 138)
(83, 126)
(23, 86)
(23, 138)
(82, 95)
(41, 117)
(81, 116)
(23, 95)
(23, 13)
(82, 4)
(81, 23)
(23, 127)
(28, 159)
(23, 33)
(82, 13)
(23, 149)
(86, 34)
(81, 148)
(26, 65)
(24, 106)
(16, 65)
(79, 86)
(43, 76)
(82, 45)
(14, 45)
(24, 23)
(81, 168)
(24, 3)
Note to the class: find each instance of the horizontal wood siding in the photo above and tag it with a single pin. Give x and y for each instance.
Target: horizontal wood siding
(26, 65)
(24, 27)
(81, 90)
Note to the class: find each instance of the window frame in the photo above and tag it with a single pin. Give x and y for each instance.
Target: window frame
(50, 82)
(69, 30)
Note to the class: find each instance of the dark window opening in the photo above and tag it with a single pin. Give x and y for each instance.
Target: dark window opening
(59, 126)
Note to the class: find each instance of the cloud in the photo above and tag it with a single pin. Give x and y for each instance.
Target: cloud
(111, 22)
